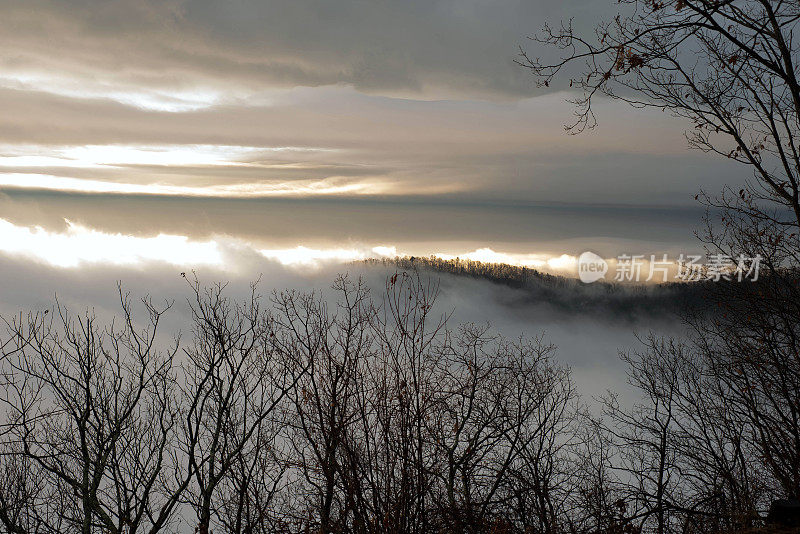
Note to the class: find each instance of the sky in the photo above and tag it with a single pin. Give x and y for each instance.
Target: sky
(312, 131)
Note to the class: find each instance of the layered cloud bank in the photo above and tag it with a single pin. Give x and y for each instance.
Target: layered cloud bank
(154, 53)
(335, 141)
(79, 246)
(295, 124)
(304, 98)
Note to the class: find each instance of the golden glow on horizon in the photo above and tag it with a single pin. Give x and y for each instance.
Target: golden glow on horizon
(563, 263)
(328, 186)
(31, 167)
(78, 245)
(98, 156)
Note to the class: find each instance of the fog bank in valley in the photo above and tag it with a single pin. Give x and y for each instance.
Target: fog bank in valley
(588, 337)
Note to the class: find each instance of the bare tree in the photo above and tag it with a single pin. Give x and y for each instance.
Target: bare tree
(730, 68)
(508, 419)
(331, 348)
(402, 425)
(367, 416)
(645, 436)
(91, 417)
(234, 385)
(684, 450)
(406, 376)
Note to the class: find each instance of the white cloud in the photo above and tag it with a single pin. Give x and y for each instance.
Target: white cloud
(563, 263)
(79, 245)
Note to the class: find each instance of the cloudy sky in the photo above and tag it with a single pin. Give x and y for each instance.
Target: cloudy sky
(148, 130)
(277, 139)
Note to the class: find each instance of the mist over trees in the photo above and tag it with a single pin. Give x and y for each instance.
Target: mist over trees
(284, 414)
(626, 303)
(294, 413)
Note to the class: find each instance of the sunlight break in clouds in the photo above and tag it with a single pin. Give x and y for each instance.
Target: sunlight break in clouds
(328, 186)
(151, 99)
(78, 245)
(39, 159)
(98, 156)
(563, 263)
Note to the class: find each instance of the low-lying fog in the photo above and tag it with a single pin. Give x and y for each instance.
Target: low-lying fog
(588, 339)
